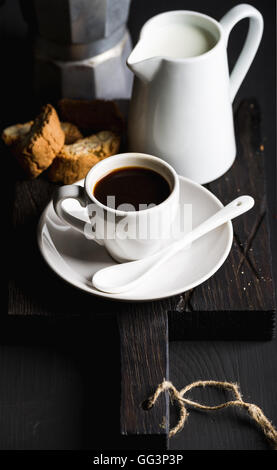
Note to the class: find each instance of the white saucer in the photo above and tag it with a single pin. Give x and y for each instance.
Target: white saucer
(75, 258)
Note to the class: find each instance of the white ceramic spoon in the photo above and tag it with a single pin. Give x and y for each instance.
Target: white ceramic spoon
(126, 276)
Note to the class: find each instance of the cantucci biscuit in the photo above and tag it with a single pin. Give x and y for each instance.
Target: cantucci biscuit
(38, 148)
(13, 134)
(74, 161)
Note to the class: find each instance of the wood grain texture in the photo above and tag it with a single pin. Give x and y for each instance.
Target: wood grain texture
(238, 301)
(144, 363)
(246, 363)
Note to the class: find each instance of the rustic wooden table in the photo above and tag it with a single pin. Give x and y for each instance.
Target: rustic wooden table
(68, 359)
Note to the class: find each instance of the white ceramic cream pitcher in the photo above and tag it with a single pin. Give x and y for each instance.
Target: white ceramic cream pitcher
(181, 106)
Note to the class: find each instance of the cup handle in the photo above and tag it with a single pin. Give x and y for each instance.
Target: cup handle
(251, 44)
(73, 192)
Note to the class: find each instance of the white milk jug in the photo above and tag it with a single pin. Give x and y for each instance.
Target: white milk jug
(181, 106)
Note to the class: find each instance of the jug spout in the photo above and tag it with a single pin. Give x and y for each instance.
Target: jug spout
(142, 66)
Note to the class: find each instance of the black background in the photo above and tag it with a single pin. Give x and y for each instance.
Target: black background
(60, 389)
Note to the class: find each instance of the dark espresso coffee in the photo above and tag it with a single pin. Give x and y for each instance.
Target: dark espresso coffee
(132, 185)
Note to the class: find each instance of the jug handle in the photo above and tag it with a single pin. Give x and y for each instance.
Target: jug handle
(251, 44)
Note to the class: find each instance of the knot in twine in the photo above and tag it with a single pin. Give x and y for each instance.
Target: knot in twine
(178, 396)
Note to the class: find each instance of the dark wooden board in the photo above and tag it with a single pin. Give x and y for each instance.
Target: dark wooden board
(250, 364)
(144, 364)
(242, 289)
(238, 301)
(60, 386)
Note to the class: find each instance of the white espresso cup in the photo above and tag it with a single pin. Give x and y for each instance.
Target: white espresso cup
(126, 235)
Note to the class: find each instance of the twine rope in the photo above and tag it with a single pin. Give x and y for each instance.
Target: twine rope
(178, 396)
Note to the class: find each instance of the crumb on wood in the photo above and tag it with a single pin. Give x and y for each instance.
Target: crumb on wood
(163, 423)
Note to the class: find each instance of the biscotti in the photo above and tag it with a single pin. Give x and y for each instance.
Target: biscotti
(94, 115)
(74, 161)
(37, 150)
(12, 134)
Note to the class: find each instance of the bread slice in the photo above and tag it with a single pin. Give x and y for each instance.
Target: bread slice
(94, 115)
(13, 134)
(37, 150)
(74, 161)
